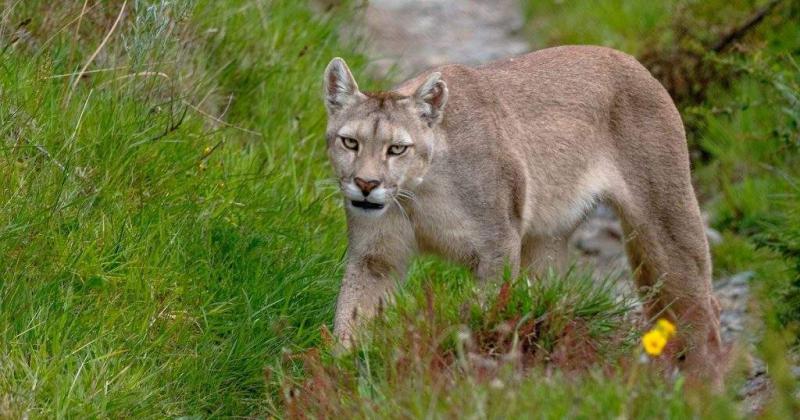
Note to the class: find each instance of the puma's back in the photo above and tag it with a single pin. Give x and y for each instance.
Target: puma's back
(555, 127)
(576, 100)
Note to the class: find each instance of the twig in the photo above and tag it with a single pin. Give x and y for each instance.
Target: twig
(77, 35)
(739, 31)
(97, 51)
(47, 154)
(80, 117)
(215, 119)
(227, 107)
(15, 37)
(80, 19)
(60, 76)
(65, 26)
(170, 128)
(139, 74)
(30, 123)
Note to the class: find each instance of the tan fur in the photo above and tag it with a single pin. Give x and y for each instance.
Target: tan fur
(507, 159)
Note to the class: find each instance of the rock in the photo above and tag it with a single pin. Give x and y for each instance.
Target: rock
(714, 237)
(733, 294)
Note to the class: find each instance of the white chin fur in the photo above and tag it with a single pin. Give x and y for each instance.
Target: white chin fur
(378, 196)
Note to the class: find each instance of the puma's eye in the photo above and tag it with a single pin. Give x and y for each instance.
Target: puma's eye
(349, 143)
(397, 150)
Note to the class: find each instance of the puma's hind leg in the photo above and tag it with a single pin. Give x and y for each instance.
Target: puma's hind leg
(669, 255)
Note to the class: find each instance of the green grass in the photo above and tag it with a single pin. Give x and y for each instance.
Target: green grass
(617, 23)
(169, 244)
(155, 260)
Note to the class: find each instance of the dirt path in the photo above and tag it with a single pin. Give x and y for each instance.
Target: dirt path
(419, 34)
(413, 35)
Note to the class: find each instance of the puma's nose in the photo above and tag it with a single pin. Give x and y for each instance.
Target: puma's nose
(366, 186)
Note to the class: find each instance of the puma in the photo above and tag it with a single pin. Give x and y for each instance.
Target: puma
(495, 166)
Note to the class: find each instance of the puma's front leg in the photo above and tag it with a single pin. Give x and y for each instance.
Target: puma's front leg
(499, 255)
(368, 284)
(377, 259)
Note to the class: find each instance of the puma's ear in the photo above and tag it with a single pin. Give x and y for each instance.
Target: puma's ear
(431, 98)
(340, 88)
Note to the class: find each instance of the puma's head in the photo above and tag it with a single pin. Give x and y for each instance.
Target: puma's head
(380, 144)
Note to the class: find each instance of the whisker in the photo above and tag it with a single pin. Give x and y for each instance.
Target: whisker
(402, 210)
(408, 195)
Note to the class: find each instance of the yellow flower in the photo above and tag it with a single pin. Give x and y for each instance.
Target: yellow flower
(667, 328)
(207, 150)
(654, 342)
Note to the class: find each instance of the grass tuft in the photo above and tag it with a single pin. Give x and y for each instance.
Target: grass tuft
(556, 346)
